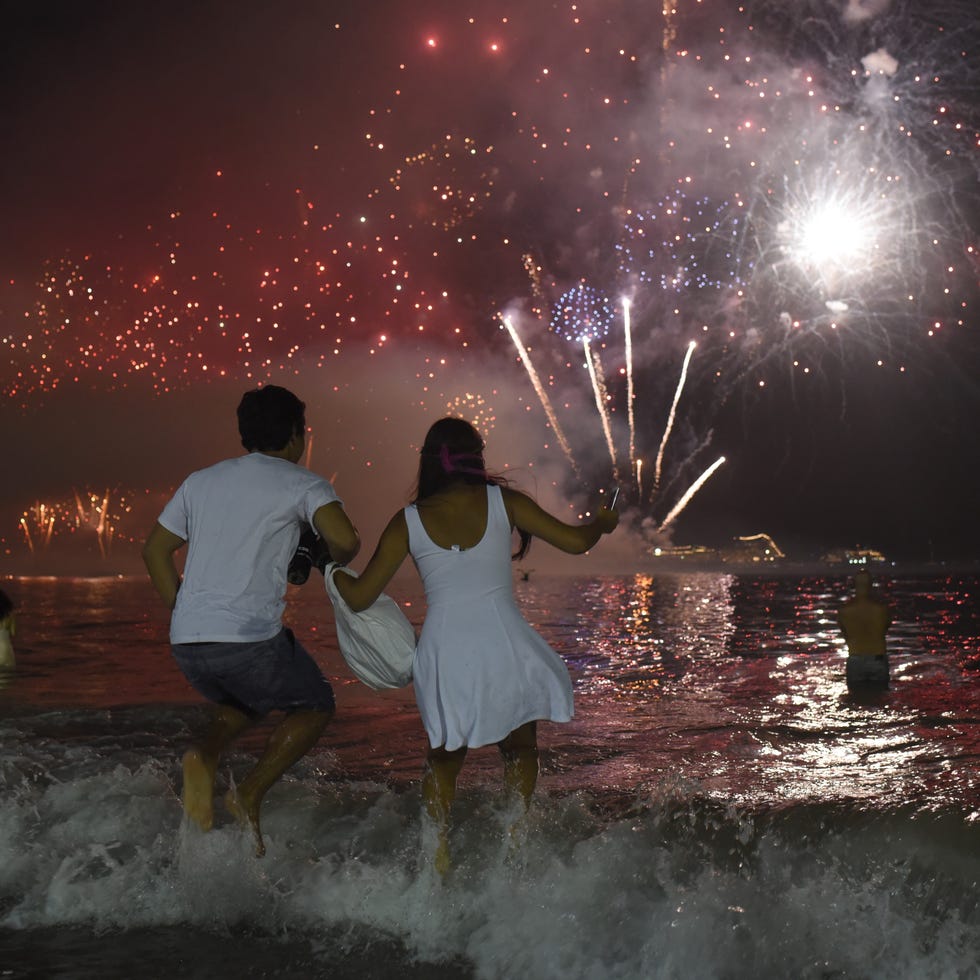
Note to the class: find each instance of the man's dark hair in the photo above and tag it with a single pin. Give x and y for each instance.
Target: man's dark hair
(269, 417)
(6, 606)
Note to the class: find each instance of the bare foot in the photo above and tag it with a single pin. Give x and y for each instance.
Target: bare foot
(198, 789)
(247, 815)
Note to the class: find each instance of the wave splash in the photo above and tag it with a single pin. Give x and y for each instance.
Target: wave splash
(661, 881)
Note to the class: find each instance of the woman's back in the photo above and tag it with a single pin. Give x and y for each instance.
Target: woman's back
(460, 540)
(456, 516)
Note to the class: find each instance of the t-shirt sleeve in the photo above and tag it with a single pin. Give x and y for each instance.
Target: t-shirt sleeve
(174, 515)
(318, 494)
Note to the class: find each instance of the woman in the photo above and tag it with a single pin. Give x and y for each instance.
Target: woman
(482, 675)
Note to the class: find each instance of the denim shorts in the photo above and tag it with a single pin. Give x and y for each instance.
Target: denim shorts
(256, 678)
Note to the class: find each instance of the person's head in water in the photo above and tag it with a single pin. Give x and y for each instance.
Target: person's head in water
(453, 453)
(862, 583)
(269, 417)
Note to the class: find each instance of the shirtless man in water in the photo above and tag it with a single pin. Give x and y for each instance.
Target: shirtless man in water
(241, 520)
(864, 621)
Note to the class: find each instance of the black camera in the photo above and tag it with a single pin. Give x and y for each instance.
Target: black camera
(311, 551)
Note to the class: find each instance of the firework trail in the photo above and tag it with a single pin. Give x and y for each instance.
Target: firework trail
(628, 341)
(689, 495)
(762, 536)
(103, 530)
(27, 534)
(599, 390)
(82, 513)
(539, 389)
(43, 519)
(658, 467)
(103, 527)
(696, 453)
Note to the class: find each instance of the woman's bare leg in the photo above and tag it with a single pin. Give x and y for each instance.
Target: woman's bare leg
(439, 792)
(520, 754)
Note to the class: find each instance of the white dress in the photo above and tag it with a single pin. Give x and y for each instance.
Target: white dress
(480, 670)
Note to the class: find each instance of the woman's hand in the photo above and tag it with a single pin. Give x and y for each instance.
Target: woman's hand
(607, 520)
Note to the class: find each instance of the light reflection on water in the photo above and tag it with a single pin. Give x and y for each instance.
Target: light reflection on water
(734, 684)
(738, 683)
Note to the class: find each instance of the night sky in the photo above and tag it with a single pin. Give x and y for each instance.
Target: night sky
(348, 198)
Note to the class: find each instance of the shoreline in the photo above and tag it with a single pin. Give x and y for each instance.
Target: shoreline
(599, 565)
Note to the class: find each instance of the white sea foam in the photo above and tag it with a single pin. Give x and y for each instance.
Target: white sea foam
(667, 887)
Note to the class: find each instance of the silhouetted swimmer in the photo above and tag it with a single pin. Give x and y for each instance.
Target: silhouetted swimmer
(8, 629)
(864, 621)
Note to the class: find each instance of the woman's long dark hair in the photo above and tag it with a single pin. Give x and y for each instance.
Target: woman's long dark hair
(453, 453)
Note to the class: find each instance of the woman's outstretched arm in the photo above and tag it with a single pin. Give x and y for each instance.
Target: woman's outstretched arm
(527, 515)
(359, 593)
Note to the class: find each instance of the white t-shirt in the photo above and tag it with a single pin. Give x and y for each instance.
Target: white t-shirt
(241, 520)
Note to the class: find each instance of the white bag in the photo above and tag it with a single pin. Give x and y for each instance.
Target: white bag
(378, 643)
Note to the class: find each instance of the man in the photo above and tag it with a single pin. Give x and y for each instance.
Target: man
(864, 620)
(241, 521)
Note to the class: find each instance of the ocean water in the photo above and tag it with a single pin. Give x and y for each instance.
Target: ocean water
(720, 806)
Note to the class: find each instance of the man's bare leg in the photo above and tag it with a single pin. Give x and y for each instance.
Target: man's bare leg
(439, 793)
(295, 735)
(201, 763)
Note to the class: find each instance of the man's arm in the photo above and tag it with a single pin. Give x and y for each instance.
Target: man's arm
(335, 527)
(158, 556)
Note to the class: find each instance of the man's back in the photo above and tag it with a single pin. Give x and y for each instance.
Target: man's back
(241, 519)
(864, 622)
